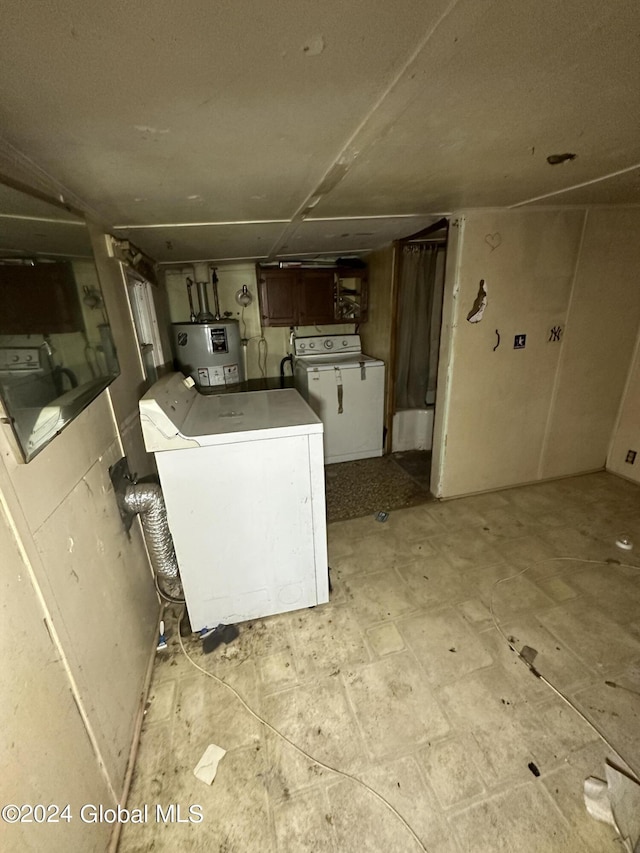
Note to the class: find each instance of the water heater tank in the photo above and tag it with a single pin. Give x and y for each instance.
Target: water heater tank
(209, 352)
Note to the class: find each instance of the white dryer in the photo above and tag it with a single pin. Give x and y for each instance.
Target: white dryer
(243, 482)
(345, 388)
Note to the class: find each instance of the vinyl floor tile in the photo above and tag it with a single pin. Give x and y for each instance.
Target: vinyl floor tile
(408, 682)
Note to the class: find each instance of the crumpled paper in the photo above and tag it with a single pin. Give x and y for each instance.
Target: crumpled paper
(207, 767)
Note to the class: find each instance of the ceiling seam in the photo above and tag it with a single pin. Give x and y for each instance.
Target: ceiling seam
(576, 187)
(241, 259)
(374, 216)
(47, 182)
(202, 224)
(314, 197)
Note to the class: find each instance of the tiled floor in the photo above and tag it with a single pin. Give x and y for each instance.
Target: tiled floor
(417, 464)
(404, 681)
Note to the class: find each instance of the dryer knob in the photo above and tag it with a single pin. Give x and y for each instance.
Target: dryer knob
(312, 345)
(328, 344)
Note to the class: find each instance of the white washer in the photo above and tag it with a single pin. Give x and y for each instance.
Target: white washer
(345, 388)
(243, 481)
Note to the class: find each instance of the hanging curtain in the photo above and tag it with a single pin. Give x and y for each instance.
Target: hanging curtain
(419, 317)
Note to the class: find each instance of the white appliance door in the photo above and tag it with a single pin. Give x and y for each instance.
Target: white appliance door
(350, 402)
(248, 525)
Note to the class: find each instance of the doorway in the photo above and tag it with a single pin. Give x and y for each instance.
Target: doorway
(419, 289)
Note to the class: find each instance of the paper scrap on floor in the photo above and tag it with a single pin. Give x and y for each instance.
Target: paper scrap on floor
(207, 767)
(616, 802)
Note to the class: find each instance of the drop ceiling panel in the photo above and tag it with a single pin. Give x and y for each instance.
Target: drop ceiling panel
(16, 203)
(350, 235)
(157, 111)
(476, 115)
(25, 237)
(30, 226)
(204, 242)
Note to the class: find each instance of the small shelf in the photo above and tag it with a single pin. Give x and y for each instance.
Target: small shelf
(351, 295)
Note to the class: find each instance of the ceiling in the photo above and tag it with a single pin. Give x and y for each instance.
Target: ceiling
(293, 128)
(31, 228)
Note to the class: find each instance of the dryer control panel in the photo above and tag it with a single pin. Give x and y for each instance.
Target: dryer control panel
(323, 344)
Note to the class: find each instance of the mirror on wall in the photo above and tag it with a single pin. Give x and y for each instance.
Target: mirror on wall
(56, 348)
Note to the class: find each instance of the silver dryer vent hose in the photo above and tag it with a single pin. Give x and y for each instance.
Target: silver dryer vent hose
(145, 500)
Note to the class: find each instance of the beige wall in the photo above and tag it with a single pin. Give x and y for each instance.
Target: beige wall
(130, 385)
(598, 346)
(231, 278)
(376, 331)
(163, 316)
(626, 435)
(46, 754)
(513, 416)
(80, 609)
(127, 389)
(95, 588)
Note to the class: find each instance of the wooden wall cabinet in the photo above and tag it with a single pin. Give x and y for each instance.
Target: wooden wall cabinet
(306, 296)
(40, 299)
(296, 296)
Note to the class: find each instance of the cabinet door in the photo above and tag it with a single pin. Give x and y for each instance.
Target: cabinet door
(277, 290)
(39, 300)
(316, 302)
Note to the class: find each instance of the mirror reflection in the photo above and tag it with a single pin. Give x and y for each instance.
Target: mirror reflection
(56, 348)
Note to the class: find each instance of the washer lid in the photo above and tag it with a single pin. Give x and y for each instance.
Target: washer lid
(247, 416)
(342, 360)
(175, 416)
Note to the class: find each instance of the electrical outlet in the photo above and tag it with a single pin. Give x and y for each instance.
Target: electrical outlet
(631, 457)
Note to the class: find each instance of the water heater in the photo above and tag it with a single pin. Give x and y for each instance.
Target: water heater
(208, 347)
(209, 352)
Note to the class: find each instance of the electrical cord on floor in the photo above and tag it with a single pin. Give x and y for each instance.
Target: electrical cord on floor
(534, 670)
(299, 749)
(494, 619)
(170, 598)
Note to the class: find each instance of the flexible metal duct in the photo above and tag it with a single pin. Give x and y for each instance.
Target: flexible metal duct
(145, 500)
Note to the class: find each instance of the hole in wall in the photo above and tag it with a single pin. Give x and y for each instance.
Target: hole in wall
(556, 159)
